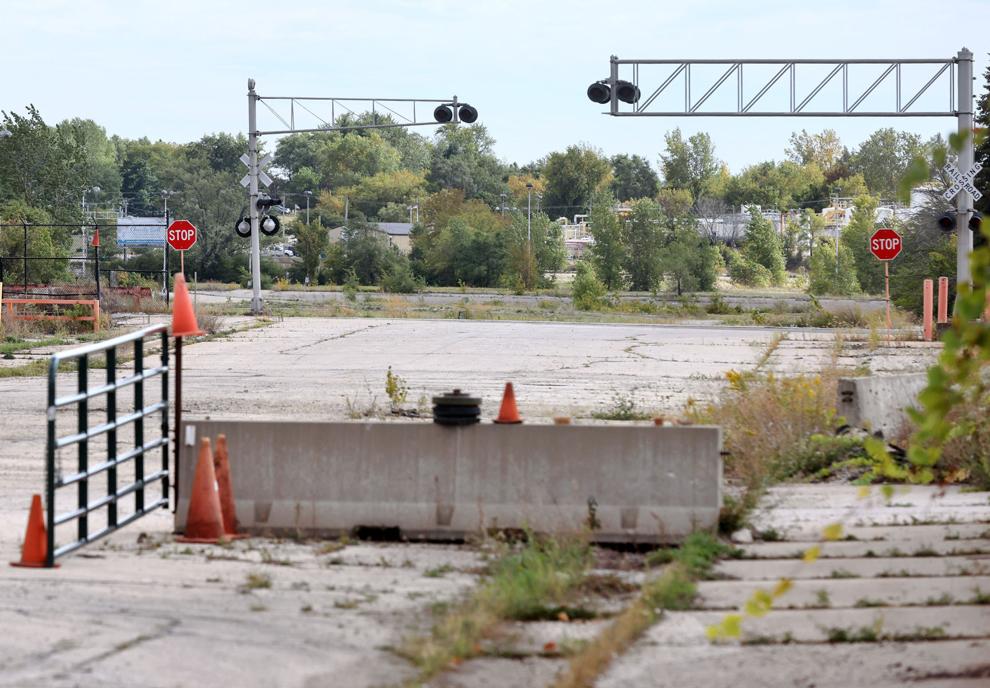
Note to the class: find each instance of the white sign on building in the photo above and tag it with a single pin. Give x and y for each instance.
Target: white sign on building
(141, 231)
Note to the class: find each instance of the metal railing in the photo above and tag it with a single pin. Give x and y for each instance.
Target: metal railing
(114, 460)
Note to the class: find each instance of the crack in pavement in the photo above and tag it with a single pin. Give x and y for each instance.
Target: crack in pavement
(331, 338)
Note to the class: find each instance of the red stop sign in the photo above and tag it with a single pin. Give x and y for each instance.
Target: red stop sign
(885, 244)
(181, 235)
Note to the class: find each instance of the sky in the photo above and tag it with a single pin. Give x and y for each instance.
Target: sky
(177, 70)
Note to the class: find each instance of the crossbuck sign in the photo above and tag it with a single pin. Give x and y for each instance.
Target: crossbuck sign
(962, 181)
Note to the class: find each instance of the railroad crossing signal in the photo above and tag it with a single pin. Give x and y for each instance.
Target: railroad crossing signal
(962, 181)
(262, 163)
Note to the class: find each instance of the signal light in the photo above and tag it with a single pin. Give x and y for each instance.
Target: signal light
(626, 92)
(947, 221)
(443, 114)
(269, 225)
(266, 203)
(467, 114)
(243, 228)
(976, 221)
(599, 92)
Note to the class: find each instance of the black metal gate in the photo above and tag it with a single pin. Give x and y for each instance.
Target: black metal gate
(123, 472)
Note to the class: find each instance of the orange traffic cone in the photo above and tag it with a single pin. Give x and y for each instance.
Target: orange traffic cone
(183, 316)
(221, 464)
(204, 521)
(508, 413)
(96, 238)
(35, 548)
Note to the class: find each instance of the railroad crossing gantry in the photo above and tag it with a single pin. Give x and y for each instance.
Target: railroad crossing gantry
(444, 111)
(624, 98)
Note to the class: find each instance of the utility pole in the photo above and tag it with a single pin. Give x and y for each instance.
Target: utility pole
(964, 200)
(529, 213)
(308, 195)
(253, 199)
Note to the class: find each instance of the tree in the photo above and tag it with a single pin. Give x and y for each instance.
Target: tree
(588, 292)
(804, 230)
(982, 181)
(690, 262)
(763, 246)
(644, 239)
(520, 194)
(38, 164)
(690, 164)
(856, 237)
(312, 242)
(632, 177)
(43, 241)
(608, 253)
(883, 158)
(823, 150)
(825, 277)
(771, 185)
(573, 177)
(463, 158)
(468, 247)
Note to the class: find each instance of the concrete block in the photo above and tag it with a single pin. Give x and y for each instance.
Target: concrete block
(879, 402)
(643, 483)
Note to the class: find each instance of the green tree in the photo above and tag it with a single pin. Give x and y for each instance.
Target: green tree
(632, 177)
(689, 164)
(42, 242)
(884, 157)
(771, 185)
(311, 245)
(587, 292)
(803, 232)
(468, 247)
(463, 158)
(608, 253)
(645, 237)
(928, 253)
(573, 177)
(825, 277)
(39, 163)
(763, 246)
(690, 262)
(856, 237)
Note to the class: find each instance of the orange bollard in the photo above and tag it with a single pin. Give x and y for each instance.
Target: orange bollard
(204, 522)
(943, 300)
(508, 414)
(221, 465)
(35, 549)
(927, 309)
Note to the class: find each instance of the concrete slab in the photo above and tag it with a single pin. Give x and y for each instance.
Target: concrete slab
(880, 567)
(911, 623)
(852, 592)
(488, 672)
(902, 547)
(894, 534)
(878, 665)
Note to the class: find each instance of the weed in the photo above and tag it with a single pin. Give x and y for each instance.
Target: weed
(863, 634)
(256, 581)
(438, 571)
(940, 601)
(524, 582)
(925, 552)
(698, 554)
(841, 573)
(623, 408)
(258, 607)
(866, 602)
(395, 388)
(822, 599)
(346, 604)
(769, 535)
(979, 597)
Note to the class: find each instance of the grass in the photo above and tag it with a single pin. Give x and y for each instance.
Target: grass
(623, 408)
(524, 582)
(256, 581)
(674, 589)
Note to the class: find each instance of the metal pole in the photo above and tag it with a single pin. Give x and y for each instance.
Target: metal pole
(178, 413)
(256, 305)
(165, 251)
(613, 77)
(964, 201)
(26, 258)
(529, 216)
(96, 254)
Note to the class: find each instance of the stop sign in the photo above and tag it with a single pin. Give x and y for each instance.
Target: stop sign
(885, 244)
(181, 235)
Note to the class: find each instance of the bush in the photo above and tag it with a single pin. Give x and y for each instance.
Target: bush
(747, 272)
(826, 278)
(399, 279)
(766, 419)
(588, 292)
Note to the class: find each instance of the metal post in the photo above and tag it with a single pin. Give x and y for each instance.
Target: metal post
(613, 77)
(178, 415)
(96, 255)
(256, 305)
(165, 253)
(25, 256)
(165, 483)
(50, 461)
(964, 201)
(82, 419)
(529, 214)
(111, 356)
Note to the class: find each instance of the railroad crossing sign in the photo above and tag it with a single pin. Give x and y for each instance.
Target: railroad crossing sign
(262, 177)
(962, 181)
(885, 244)
(181, 235)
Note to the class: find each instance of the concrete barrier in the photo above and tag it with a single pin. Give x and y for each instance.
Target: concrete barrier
(879, 402)
(638, 483)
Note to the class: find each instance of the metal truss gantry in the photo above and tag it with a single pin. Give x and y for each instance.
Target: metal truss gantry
(307, 107)
(804, 87)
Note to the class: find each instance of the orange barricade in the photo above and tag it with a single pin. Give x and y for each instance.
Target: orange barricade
(93, 304)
